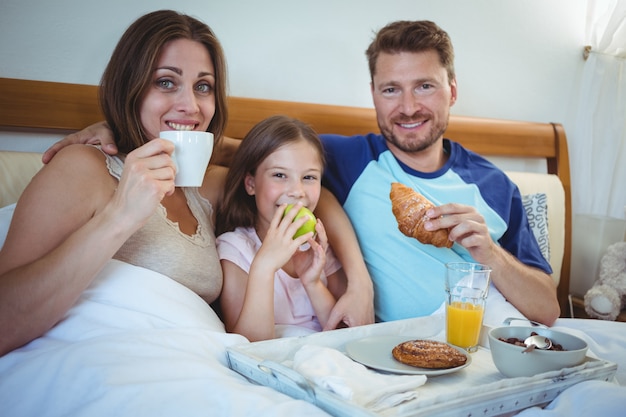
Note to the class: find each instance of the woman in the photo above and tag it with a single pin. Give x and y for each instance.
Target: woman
(84, 207)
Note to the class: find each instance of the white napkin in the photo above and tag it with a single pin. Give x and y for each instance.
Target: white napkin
(332, 370)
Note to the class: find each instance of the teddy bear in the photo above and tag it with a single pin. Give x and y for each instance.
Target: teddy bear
(607, 297)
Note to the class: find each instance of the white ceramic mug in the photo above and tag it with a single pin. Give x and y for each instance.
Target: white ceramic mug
(191, 155)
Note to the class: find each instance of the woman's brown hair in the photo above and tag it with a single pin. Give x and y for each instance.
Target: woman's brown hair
(238, 209)
(130, 69)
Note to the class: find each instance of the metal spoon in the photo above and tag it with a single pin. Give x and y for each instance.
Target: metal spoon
(538, 342)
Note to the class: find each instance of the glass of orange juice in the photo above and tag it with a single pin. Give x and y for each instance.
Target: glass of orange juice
(467, 285)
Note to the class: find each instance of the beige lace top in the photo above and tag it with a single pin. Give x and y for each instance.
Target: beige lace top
(160, 245)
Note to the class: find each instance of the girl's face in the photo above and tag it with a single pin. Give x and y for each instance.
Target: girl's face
(290, 174)
(181, 95)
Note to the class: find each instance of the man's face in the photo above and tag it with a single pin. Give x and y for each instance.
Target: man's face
(412, 97)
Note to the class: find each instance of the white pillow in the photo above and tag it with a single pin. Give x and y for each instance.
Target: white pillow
(536, 207)
(6, 214)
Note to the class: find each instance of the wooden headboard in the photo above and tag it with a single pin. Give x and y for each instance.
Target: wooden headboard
(39, 106)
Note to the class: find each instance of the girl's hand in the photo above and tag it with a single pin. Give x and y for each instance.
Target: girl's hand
(278, 244)
(309, 264)
(148, 176)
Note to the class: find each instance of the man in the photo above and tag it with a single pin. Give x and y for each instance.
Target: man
(413, 86)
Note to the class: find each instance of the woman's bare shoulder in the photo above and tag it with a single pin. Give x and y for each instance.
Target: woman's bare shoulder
(75, 170)
(80, 156)
(68, 191)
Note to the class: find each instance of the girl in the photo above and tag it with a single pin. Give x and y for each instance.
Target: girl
(270, 277)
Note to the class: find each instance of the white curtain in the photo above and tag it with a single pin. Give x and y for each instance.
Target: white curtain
(598, 140)
(597, 144)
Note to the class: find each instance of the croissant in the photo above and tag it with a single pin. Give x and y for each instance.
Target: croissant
(410, 208)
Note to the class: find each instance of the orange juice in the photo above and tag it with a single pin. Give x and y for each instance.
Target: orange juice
(463, 323)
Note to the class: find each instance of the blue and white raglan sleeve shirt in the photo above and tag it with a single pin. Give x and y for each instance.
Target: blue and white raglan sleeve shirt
(408, 276)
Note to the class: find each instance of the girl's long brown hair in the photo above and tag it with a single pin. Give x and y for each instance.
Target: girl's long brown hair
(238, 209)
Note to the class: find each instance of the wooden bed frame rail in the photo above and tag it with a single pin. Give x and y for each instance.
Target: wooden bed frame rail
(40, 106)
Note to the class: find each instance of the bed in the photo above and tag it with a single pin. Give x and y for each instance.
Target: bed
(164, 353)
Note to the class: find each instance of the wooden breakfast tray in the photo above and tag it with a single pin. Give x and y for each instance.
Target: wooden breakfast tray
(479, 389)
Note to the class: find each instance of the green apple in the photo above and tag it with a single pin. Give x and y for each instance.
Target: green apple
(309, 226)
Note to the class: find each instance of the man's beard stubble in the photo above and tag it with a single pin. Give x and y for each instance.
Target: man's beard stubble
(411, 144)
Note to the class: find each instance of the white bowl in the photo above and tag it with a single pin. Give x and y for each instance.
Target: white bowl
(511, 362)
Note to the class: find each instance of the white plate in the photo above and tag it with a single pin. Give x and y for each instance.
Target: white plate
(375, 352)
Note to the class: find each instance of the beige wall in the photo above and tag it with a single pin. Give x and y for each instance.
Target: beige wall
(515, 59)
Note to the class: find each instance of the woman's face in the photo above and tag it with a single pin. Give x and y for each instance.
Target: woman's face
(182, 93)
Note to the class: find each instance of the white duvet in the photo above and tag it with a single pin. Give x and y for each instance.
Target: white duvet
(136, 344)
